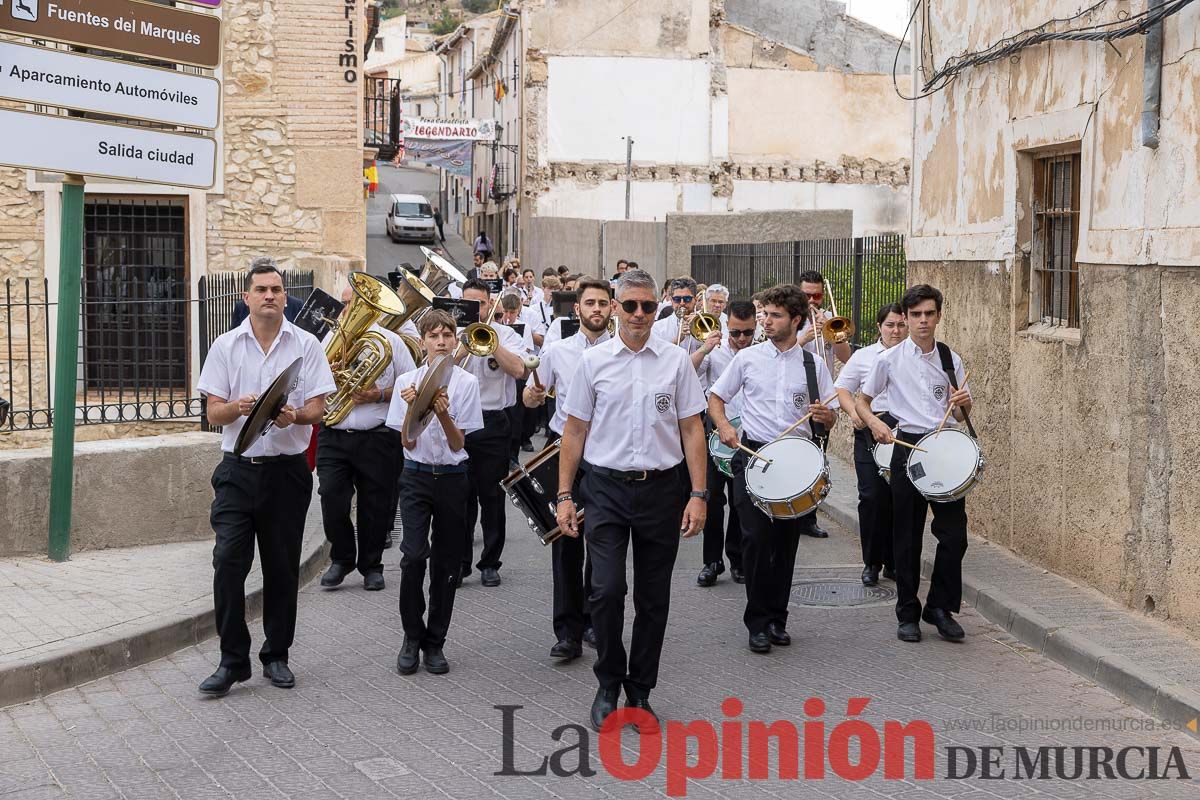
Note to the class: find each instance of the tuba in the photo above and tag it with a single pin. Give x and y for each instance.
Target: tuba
(362, 354)
(439, 273)
(413, 345)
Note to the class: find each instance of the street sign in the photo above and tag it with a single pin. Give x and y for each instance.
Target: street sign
(102, 149)
(87, 83)
(122, 26)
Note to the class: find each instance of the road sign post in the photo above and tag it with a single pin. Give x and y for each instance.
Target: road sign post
(66, 351)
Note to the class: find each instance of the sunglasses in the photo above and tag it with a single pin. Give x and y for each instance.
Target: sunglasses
(734, 332)
(818, 296)
(686, 298)
(631, 306)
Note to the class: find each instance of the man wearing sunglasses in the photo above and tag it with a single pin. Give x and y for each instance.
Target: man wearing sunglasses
(675, 326)
(742, 326)
(633, 418)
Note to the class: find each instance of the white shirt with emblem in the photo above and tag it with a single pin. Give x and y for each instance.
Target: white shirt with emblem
(432, 447)
(237, 366)
(713, 367)
(774, 389)
(854, 373)
(497, 389)
(667, 328)
(560, 361)
(372, 415)
(917, 387)
(633, 402)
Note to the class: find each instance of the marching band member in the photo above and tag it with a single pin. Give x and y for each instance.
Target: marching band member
(716, 298)
(812, 283)
(509, 313)
(359, 455)
(560, 360)
(632, 414)
(488, 447)
(874, 493)
(674, 327)
(779, 383)
(264, 493)
(915, 375)
(716, 535)
(431, 507)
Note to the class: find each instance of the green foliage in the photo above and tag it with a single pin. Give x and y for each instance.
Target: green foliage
(479, 6)
(446, 23)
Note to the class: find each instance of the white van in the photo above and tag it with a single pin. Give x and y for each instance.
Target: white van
(410, 217)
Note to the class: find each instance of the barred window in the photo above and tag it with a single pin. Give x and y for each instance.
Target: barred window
(1055, 295)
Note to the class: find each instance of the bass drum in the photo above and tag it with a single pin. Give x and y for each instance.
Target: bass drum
(951, 464)
(795, 481)
(533, 487)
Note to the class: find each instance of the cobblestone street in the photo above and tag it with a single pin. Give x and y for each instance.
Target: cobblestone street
(353, 728)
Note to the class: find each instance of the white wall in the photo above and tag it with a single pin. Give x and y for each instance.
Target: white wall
(650, 200)
(662, 103)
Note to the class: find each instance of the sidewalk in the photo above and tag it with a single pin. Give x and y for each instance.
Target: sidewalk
(104, 611)
(1141, 660)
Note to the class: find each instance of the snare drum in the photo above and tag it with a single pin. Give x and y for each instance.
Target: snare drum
(794, 483)
(949, 468)
(722, 455)
(883, 457)
(533, 488)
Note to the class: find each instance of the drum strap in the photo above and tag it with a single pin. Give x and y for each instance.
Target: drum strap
(948, 366)
(814, 392)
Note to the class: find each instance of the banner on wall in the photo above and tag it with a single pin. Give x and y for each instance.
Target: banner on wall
(454, 156)
(482, 130)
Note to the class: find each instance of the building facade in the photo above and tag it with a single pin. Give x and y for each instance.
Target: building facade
(1056, 202)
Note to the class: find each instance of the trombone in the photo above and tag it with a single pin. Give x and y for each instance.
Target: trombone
(478, 339)
(835, 330)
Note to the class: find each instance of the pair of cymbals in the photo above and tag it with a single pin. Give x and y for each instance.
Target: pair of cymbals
(267, 407)
(420, 410)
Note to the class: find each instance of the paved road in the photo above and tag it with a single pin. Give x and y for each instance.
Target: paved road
(353, 728)
(383, 254)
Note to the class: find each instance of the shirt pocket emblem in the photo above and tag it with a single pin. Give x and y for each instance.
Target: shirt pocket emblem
(800, 399)
(662, 402)
(939, 393)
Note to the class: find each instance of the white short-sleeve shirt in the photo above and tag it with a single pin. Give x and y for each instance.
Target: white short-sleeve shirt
(432, 447)
(774, 388)
(917, 387)
(560, 361)
(497, 389)
(713, 368)
(633, 402)
(237, 366)
(372, 415)
(854, 373)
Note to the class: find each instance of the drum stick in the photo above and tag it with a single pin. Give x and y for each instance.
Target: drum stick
(950, 408)
(909, 446)
(757, 455)
(803, 419)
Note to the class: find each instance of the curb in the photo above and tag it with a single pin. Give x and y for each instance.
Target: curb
(1142, 688)
(132, 643)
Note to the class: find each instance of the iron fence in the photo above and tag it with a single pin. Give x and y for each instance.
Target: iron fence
(134, 359)
(863, 273)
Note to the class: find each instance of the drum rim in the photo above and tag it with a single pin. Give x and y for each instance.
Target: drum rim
(824, 472)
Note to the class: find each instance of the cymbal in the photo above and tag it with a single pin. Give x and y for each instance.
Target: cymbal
(267, 407)
(420, 410)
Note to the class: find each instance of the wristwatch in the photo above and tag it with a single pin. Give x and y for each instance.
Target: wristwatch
(700, 495)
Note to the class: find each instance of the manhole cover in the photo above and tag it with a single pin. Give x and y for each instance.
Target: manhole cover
(840, 593)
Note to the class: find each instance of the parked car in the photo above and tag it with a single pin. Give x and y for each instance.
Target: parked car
(410, 217)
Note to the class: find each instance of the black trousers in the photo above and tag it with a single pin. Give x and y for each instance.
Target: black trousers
(908, 529)
(572, 580)
(874, 499)
(399, 473)
(267, 502)
(516, 425)
(768, 554)
(718, 535)
(432, 513)
(487, 465)
(648, 514)
(362, 462)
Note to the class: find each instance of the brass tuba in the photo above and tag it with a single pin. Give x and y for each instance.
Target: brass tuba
(362, 354)
(367, 358)
(413, 345)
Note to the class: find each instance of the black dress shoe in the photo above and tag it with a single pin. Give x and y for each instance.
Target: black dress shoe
(220, 682)
(335, 575)
(760, 643)
(909, 632)
(435, 662)
(816, 531)
(489, 576)
(947, 628)
(870, 575)
(566, 650)
(652, 725)
(373, 581)
(589, 637)
(409, 658)
(778, 634)
(387, 541)
(708, 575)
(737, 575)
(889, 572)
(278, 673)
(464, 574)
(604, 704)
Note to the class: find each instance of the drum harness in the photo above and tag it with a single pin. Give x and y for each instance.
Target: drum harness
(948, 367)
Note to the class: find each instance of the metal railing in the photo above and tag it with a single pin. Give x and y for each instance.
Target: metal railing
(863, 273)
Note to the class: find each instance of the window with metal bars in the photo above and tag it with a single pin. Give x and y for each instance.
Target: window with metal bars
(1055, 295)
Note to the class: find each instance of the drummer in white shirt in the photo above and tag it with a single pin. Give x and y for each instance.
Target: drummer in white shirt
(779, 383)
(918, 389)
(874, 493)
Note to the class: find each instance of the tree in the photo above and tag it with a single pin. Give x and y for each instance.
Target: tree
(479, 6)
(446, 23)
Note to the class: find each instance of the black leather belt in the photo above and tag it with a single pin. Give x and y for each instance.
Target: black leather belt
(434, 469)
(630, 476)
(380, 427)
(263, 459)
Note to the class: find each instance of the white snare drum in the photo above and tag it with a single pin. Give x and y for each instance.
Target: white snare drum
(949, 468)
(883, 457)
(796, 481)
